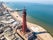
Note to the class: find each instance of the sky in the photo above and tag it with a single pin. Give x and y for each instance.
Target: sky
(33, 1)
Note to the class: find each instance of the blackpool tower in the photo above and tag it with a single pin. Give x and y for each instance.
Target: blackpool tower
(24, 25)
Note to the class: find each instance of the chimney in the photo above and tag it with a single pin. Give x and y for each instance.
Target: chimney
(24, 25)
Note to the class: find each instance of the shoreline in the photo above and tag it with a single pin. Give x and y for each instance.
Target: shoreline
(46, 27)
(40, 29)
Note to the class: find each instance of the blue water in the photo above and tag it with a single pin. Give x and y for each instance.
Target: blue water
(41, 14)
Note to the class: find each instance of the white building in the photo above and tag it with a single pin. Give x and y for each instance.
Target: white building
(9, 17)
(7, 14)
(11, 20)
(14, 23)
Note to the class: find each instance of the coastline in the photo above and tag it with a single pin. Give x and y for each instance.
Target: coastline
(40, 29)
(44, 25)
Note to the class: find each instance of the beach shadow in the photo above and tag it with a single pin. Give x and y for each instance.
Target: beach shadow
(34, 37)
(40, 32)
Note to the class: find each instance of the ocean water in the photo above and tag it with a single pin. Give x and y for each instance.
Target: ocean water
(40, 14)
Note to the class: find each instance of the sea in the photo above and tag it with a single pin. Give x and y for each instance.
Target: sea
(40, 14)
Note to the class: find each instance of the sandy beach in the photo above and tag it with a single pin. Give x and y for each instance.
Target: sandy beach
(44, 35)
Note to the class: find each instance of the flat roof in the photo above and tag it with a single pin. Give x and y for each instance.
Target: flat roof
(11, 20)
(14, 23)
(9, 17)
